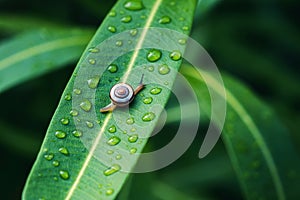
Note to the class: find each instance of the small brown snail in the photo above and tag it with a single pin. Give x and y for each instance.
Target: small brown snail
(121, 95)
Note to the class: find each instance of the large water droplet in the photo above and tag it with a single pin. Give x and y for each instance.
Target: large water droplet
(111, 170)
(64, 121)
(114, 141)
(133, 138)
(64, 174)
(112, 129)
(130, 121)
(126, 19)
(68, 97)
(175, 55)
(49, 156)
(64, 151)
(147, 100)
(93, 82)
(60, 134)
(86, 105)
(148, 117)
(55, 163)
(164, 20)
(109, 191)
(164, 69)
(112, 68)
(134, 5)
(155, 90)
(153, 55)
(77, 133)
(112, 29)
(74, 112)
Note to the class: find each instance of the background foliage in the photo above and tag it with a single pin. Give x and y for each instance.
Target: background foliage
(254, 41)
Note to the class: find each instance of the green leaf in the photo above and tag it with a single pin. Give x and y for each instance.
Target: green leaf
(31, 54)
(87, 154)
(260, 149)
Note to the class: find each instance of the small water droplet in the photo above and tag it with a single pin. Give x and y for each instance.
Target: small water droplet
(133, 129)
(118, 157)
(89, 124)
(133, 150)
(111, 170)
(77, 91)
(185, 28)
(68, 97)
(49, 156)
(86, 105)
(119, 43)
(93, 82)
(55, 178)
(133, 138)
(164, 20)
(112, 129)
(150, 68)
(181, 19)
(182, 41)
(164, 69)
(133, 32)
(112, 13)
(112, 68)
(148, 117)
(175, 55)
(74, 112)
(60, 134)
(110, 152)
(64, 121)
(134, 5)
(155, 90)
(77, 133)
(93, 50)
(92, 61)
(64, 174)
(147, 100)
(112, 29)
(55, 163)
(64, 151)
(153, 55)
(117, 78)
(130, 120)
(126, 19)
(114, 140)
(109, 191)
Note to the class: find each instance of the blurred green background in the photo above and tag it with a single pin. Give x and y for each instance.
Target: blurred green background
(256, 41)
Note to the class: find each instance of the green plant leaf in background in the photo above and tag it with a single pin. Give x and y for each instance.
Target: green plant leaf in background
(68, 164)
(253, 137)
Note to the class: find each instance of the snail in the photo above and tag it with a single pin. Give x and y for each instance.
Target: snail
(121, 95)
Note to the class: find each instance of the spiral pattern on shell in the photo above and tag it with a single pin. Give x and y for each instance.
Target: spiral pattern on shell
(121, 94)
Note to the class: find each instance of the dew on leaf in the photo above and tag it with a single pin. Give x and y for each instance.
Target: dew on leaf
(182, 41)
(185, 28)
(68, 97)
(93, 50)
(133, 32)
(55, 163)
(93, 82)
(134, 5)
(77, 91)
(109, 152)
(164, 20)
(112, 68)
(111, 170)
(155, 90)
(119, 43)
(175, 55)
(153, 55)
(89, 124)
(133, 138)
(112, 29)
(118, 157)
(133, 150)
(64, 174)
(113, 141)
(86, 105)
(92, 61)
(150, 68)
(77, 133)
(112, 129)
(64, 151)
(112, 13)
(163, 69)
(64, 121)
(147, 117)
(109, 191)
(126, 19)
(130, 121)
(147, 100)
(60, 134)
(74, 112)
(49, 156)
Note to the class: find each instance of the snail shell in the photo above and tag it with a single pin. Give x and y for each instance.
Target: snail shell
(121, 94)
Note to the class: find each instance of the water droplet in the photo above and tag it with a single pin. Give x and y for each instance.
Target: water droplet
(130, 120)
(77, 133)
(175, 55)
(150, 68)
(164, 69)
(64, 174)
(74, 112)
(155, 90)
(64, 151)
(181, 19)
(112, 68)
(119, 43)
(60, 134)
(182, 41)
(133, 129)
(112, 13)
(111, 170)
(93, 82)
(112, 129)
(89, 124)
(118, 157)
(110, 152)
(55, 163)
(64, 121)
(55, 178)
(185, 28)
(68, 97)
(133, 32)
(92, 61)
(164, 20)
(112, 29)
(77, 91)
(133, 138)
(114, 140)
(153, 55)
(93, 50)
(126, 19)
(147, 100)
(134, 5)
(86, 105)
(133, 150)
(49, 156)
(109, 191)
(148, 117)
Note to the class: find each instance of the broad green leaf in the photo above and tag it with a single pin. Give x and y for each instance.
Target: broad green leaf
(87, 154)
(32, 53)
(260, 149)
